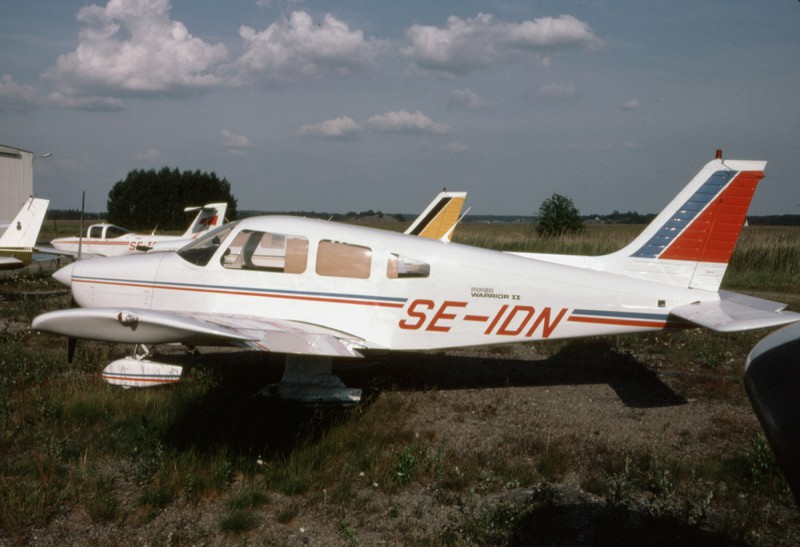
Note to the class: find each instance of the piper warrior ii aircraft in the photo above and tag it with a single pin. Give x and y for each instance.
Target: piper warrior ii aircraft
(110, 240)
(316, 290)
(19, 237)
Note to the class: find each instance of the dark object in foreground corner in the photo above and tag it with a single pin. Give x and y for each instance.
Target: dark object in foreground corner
(772, 379)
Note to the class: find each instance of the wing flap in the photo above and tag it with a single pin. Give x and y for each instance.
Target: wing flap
(735, 312)
(139, 326)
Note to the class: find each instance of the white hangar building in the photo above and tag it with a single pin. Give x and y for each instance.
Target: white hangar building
(16, 180)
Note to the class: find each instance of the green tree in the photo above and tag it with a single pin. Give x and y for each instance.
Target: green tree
(558, 216)
(149, 199)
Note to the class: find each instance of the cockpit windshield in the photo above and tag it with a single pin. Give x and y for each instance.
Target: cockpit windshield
(200, 251)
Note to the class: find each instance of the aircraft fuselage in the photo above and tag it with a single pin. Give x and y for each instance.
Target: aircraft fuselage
(391, 290)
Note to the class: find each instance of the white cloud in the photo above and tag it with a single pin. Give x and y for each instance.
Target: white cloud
(338, 128)
(232, 140)
(14, 96)
(91, 102)
(296, 47)
(456, 147)
(557, 91)
(465, 98)
(151, 154)
(633, 104)
(133, 46)
(467, 44)
(406, 122)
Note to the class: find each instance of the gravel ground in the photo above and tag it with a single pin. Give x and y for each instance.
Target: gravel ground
(585, 402)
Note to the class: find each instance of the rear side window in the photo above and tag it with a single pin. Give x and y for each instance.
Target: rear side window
(267, 252)
(337, 259)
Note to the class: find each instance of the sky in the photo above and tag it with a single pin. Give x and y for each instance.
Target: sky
(356, 105)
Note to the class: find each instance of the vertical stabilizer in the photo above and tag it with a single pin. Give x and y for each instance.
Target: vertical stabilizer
(691, 242)
(440, 217)
(209, 217)
(24, 229)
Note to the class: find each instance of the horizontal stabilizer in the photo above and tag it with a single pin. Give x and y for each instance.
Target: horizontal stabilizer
(10, 263)
(735, 312)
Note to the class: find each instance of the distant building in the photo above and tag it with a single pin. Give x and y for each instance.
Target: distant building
(16, 180)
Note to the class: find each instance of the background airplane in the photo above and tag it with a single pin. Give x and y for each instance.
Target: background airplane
(315, 290)
(19, 237)
(110, 240)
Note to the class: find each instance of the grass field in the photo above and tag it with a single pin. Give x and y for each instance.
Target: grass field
(207, 462)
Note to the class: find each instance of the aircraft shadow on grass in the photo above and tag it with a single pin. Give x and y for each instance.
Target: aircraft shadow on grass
(232, 414)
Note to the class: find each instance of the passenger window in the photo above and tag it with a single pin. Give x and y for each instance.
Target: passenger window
(267, 252)
(343, 260)
(402, 267)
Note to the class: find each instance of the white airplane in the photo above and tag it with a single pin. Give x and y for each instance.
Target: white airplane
(19, 238)
(110, 240)
(315, 290)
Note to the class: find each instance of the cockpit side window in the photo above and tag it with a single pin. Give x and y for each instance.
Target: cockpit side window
(403, 267)
(96, 231)
(200, 251)
(338, 259)
(266, 252)
(115, 231)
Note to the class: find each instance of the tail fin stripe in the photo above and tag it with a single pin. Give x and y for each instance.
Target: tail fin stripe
(687, 215)
(716, 230)
(430, 216)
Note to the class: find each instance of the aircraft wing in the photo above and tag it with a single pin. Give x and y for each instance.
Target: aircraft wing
(50, 250)
(141, 326)
(735, 312)
(10, 263)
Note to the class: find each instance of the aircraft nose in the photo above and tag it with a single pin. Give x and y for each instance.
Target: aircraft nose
(64, 275)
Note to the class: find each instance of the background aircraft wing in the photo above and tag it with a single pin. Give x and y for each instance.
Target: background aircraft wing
(735, 312)
(140, 326)
(10, 263)
(50, 250)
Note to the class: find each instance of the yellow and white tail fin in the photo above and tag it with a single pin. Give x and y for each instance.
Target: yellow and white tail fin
(440, 217)
(209, 217)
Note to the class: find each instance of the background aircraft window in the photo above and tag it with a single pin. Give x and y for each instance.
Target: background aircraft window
(267, 252)
(115, 231)
(96, 231)
(343, 260)
(201, 250)
(401, 267)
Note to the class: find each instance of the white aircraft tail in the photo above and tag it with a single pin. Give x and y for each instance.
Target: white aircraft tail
(209, 216)
(690, 243)
(24, 229)
(440, 217)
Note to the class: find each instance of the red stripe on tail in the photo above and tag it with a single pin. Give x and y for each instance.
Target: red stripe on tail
(713, 234)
